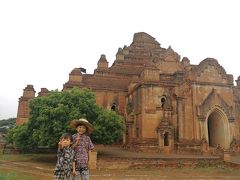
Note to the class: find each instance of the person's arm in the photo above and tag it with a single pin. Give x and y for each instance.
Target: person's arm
(74, 163)
(77, 142)
(60, 144)
(90, 149)
(74, 168)
(91, 146)
(60, 149)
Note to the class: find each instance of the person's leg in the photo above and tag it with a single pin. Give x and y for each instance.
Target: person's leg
(85, 174)
(58, 175)
(77, 176)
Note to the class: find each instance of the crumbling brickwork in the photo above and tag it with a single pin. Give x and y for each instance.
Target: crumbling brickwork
(167, 103)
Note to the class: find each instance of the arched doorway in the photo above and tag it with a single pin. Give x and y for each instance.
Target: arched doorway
(114, 107)
(217, 129)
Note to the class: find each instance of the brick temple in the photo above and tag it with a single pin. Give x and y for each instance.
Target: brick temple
(167, 103)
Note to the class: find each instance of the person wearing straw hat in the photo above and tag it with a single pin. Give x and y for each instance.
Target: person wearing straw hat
(82, 144)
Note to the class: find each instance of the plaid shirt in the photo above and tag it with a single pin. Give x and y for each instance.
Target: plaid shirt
(65, 158)
(81, 150)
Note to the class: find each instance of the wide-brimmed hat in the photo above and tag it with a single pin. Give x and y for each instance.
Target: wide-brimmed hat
(76, 122)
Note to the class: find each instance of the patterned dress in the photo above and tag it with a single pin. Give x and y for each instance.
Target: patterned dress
(65, 158)
(82, 150)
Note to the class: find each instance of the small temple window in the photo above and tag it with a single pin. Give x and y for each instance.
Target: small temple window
(114, 107)
(166, 139)
(162, 101)
(137, 132)
(127, 129)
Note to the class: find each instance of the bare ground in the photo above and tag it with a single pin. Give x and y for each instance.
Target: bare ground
(117, 164)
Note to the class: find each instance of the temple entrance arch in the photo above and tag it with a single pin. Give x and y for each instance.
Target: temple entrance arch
(217, 128)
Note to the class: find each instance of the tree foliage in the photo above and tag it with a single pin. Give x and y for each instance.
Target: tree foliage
(6, 124)
(50, 116)
(19, 135)
(108, 127)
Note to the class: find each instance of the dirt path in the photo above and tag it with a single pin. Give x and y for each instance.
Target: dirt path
(40, 173)
(117, 164)
(17, 167)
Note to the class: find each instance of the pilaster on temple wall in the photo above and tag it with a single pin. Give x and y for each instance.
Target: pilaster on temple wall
(23, 107)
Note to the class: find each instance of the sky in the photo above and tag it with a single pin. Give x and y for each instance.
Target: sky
(42, 41)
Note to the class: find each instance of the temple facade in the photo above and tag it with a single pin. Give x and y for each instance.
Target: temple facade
(167, 103)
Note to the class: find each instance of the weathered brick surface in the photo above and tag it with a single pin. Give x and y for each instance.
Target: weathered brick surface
(23, 108)
(164, 98)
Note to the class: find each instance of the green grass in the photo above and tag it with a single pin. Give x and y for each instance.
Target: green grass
(9, 176)
(23, 166)
(19, 175)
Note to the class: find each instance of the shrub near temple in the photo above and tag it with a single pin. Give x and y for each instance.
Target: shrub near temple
(50, 116)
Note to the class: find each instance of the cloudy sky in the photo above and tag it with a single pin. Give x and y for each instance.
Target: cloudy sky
(42, 41)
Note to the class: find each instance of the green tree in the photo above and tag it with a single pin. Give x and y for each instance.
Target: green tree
(6, 124)
(50, 116)
(19, 136)
(108, 127)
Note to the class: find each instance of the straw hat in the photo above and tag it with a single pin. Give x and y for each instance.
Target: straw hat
(76, 122)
